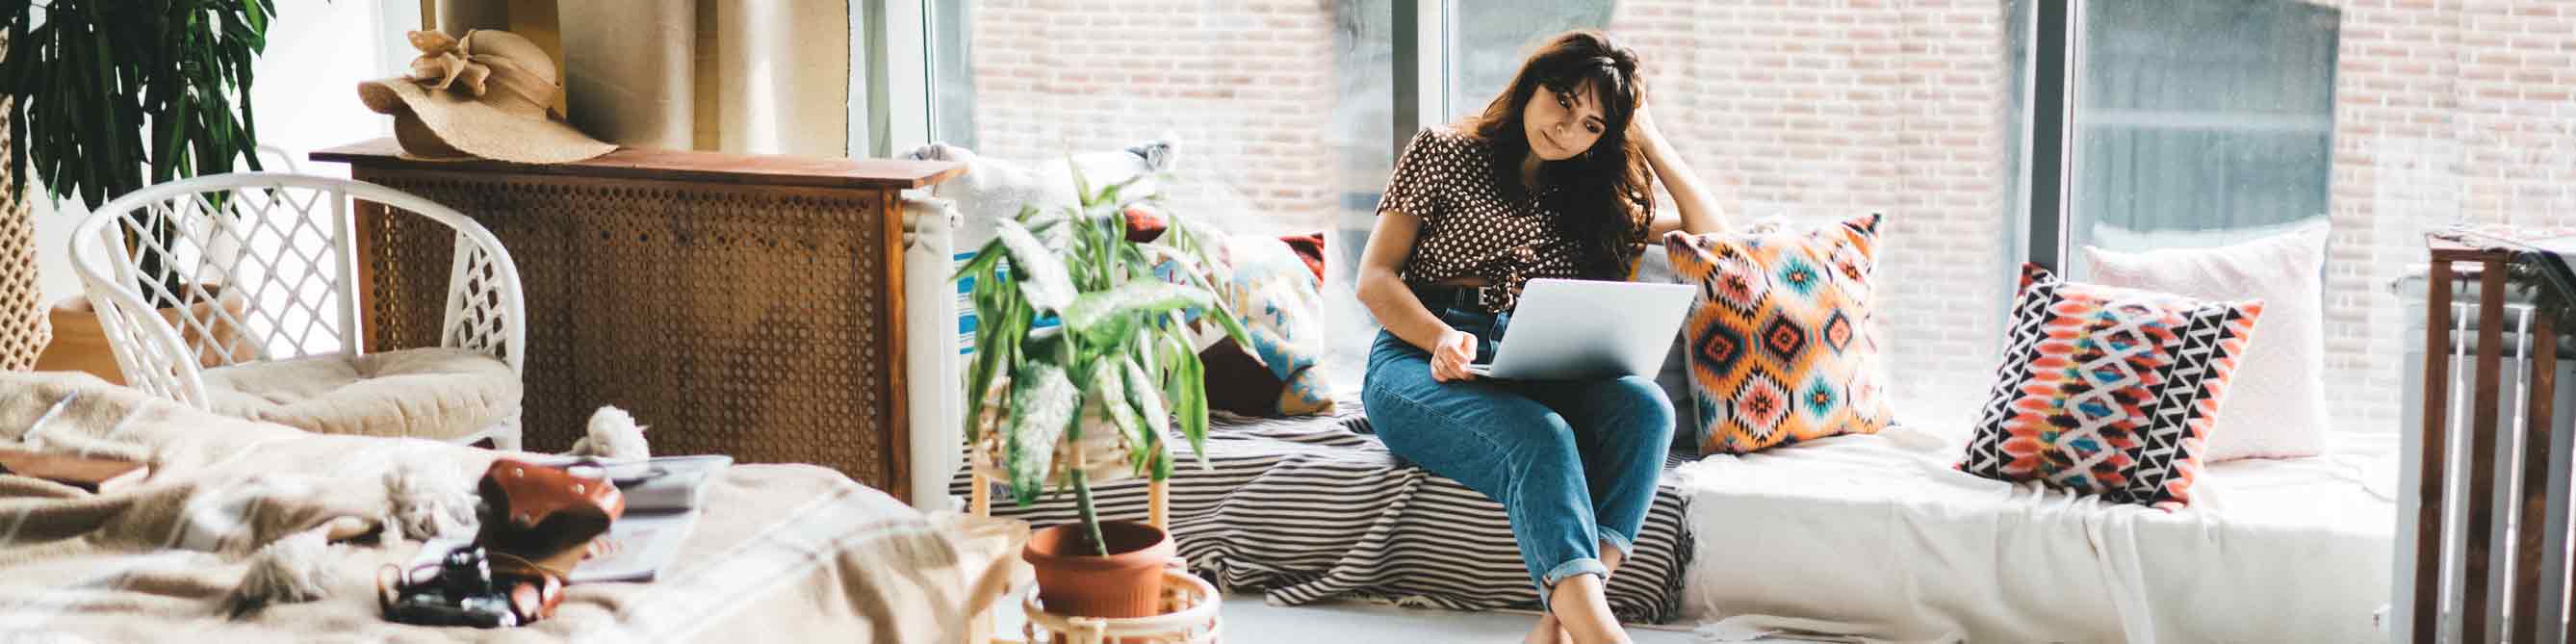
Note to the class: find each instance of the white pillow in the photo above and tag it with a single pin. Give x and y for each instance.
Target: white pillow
(993, 189)
(2276, 405)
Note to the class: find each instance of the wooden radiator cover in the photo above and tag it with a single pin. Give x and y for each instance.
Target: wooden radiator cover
(741, 305)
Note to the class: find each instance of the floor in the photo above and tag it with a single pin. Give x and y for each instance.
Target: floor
(1250, 621)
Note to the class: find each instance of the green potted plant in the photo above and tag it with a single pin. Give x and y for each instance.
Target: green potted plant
(105, 97)
(1092, 396)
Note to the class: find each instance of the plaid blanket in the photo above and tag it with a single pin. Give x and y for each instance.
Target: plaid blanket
(782, 553)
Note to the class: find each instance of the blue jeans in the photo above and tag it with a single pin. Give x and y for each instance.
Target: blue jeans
(1574, 463)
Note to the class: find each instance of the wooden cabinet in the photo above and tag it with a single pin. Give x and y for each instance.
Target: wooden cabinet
(744, 305)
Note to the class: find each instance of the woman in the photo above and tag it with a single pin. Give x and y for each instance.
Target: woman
(1554, 179)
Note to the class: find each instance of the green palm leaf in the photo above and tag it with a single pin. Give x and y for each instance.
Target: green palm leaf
(1093, 313)
(1043, 406)
(107, 96)
(1124, 344)
(1040, 272)
(1188, 265)
(1152, 417)
(1186, 387)
(1109, 388)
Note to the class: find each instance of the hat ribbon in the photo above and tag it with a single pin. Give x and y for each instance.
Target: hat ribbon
(445, 64)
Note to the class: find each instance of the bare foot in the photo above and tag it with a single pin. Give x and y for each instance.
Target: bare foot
(1548, 631)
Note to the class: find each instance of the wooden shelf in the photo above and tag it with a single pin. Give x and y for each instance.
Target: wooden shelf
(678, 165)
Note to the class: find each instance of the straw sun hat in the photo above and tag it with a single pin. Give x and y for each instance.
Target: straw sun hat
(485, 95)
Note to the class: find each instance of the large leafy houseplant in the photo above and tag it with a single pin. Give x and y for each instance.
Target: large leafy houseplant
(1121, 348)
(110, 96)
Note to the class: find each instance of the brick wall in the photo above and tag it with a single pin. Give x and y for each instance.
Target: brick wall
(1247, 88)
(1815, 113)
(2445, 109)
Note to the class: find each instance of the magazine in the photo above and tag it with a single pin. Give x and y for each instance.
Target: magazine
(662, 496)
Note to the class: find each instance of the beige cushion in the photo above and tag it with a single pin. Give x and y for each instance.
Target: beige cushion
(423, 393)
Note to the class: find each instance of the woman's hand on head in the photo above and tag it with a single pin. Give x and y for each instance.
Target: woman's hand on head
(1451, 354)
(1641, 125)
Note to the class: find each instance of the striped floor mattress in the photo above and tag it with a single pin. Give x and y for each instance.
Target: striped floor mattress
(1315, 508)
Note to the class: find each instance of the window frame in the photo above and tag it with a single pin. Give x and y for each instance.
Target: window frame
(2047, 145)
(895, 51)
(891, 106)
(890, 67)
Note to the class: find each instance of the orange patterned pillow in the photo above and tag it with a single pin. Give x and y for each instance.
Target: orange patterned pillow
(1783, 344)
(2107, 390)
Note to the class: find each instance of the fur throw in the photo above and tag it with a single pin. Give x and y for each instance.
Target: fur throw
(613, 435)
(288, 570)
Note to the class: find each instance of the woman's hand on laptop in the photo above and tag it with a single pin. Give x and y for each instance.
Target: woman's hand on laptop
(1451, 355)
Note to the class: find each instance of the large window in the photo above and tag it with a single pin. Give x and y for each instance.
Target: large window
(2205, 122)
(1806, 115)
(2201, 121)
(1279, 109)
(2192, 123)
(1487, 40)
(1284, 111)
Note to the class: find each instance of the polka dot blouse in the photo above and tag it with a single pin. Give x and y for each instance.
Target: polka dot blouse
(1469, 229)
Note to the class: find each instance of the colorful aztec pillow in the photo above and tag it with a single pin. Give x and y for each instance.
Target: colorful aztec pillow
(1275, 292)
(2108, 391)
(1274, 286)
(1783, 340)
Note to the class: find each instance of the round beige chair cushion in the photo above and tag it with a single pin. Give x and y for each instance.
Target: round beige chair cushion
(435, 393)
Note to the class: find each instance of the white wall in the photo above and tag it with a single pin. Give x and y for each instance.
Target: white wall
(306, 96)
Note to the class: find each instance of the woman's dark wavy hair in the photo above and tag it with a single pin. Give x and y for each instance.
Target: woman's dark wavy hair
(1603, 196)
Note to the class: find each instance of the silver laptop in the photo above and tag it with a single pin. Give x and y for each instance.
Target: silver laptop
(1577, 329)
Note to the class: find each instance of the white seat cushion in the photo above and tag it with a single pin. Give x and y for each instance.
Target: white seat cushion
(1877, 536)
(434, 393)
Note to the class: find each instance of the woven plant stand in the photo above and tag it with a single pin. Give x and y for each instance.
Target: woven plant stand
(1189, 617)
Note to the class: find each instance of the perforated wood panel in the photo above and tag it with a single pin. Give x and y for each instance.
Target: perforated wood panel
(24, 330)
(755, 321)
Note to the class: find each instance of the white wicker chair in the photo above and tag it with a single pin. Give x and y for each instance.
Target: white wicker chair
(282, 249)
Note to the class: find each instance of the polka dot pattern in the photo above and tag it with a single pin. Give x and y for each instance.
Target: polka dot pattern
(1469, 229)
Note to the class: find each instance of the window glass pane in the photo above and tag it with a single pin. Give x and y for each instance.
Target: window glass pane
(1269, 141)
(2201, 122)
(1807, 115)
(1487, 39)
(2208, 122)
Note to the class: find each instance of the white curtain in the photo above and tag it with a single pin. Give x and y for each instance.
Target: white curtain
(780, 70)
(783, 68)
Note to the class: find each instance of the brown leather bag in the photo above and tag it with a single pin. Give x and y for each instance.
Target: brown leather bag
(538, 523)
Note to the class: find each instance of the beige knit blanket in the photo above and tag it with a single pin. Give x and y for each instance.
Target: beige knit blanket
(784, 553)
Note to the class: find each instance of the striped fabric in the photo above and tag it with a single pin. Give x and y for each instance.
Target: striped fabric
(1315, 508)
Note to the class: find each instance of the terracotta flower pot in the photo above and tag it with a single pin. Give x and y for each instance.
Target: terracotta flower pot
(1074, 580)
(80, 344)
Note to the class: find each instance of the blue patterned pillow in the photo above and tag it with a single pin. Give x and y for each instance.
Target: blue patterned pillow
(1275, 294)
